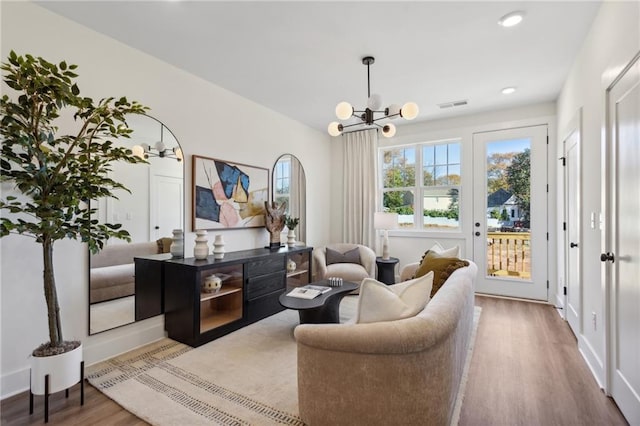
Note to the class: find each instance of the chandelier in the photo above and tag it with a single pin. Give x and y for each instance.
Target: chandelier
(367, 117)
(158, 150)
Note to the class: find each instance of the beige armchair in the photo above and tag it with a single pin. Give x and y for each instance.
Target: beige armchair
(347, 271)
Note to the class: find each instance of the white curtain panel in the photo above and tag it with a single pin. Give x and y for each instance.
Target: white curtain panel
(359, 154)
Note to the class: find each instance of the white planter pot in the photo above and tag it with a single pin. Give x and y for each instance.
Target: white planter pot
(63, 371)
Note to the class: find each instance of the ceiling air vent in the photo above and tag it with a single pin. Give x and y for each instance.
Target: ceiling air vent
(452, 104)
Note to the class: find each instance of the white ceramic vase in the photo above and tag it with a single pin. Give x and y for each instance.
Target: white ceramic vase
(177, 244)
(218, 247)
(291, 238)
(291, 266)
(201, 250)
(63, 371)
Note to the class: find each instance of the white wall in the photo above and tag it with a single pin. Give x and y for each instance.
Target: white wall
(408, 246)
(204, 118)
(612, 42)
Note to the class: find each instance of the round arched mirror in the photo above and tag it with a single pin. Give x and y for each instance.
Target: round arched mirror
(150, 212)
(289, 184)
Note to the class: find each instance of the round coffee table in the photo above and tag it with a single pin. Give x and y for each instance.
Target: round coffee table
(323, 309)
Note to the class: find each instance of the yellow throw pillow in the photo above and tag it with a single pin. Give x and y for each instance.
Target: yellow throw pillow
(442, 268)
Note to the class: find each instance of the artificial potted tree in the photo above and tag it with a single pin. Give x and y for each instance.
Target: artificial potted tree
(54, 175)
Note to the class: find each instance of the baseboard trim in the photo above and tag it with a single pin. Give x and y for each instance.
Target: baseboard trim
(592, 360)
(97, 348)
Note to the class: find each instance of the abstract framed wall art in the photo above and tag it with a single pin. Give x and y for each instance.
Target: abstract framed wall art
(228, 195)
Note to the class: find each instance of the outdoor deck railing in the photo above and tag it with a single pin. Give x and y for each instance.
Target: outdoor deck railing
(509, 254)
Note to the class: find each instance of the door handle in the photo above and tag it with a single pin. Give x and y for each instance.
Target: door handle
(572, 245)
(157, 227)
(607, 257)
(477, 233)
(477, 224)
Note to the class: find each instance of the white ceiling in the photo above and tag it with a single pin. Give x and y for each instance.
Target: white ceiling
(302, 58)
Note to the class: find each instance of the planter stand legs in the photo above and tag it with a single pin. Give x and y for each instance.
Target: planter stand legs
(46, 393)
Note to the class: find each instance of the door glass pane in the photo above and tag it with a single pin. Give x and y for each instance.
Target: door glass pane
(508, 207)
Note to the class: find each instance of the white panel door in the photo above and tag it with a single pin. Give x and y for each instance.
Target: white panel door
(622, 236)
(166, 191)
(572, 240)
(510, 212)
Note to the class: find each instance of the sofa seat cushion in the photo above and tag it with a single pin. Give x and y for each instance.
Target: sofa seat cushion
(380, 302)
(347, 271)
(442, 268)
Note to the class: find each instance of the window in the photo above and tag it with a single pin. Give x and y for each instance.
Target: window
(422, 184)
(282, 182)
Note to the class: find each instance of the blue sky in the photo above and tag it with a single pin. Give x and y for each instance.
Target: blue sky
(511, 145)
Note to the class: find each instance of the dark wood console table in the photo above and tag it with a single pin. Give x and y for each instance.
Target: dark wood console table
(252, 281)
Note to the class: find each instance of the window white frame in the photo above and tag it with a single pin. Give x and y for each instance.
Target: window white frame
(419, 190)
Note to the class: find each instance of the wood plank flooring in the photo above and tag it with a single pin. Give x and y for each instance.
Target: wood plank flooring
(526, 370)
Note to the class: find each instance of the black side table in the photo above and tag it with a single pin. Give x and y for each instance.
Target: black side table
(387, 269)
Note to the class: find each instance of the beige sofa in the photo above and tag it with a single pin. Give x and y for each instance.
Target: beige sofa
(404, 372)
(112, 269)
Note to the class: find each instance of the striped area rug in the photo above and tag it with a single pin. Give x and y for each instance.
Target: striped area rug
(248, 377)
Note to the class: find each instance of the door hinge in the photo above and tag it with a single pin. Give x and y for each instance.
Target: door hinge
(547, 187)
(565, 290)
(564, 226)
(547, 236)
(547, 284)
(564, 161)
(547, 139)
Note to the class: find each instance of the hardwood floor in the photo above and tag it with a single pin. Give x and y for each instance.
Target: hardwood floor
(526, 370)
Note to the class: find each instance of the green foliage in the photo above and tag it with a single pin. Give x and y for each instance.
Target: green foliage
(497, 164)
(449, 214)
(291, 222)
(58, 173)
(518, 178)
(504, 216)
(495, 214)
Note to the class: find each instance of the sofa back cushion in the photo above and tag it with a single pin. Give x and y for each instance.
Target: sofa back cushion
(120, 254)
(380, 302)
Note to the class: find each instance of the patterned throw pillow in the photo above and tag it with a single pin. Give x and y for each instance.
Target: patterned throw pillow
(380, 302)
(442, 268)
(351, 256)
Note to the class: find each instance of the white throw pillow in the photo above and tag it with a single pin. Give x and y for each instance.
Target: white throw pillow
(450, 252)
(381, 302)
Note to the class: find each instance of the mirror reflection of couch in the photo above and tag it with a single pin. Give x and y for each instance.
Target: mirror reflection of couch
(112, 273)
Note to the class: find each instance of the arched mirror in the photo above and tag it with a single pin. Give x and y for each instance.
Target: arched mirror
(150, 213)
(289, 184)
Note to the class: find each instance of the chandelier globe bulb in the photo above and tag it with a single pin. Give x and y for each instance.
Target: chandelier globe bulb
(389, 130)
(409, 111)
(335, 128)
(344, 110)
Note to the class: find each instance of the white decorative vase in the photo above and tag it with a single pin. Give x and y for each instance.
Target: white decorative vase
(218, 247)
(212, 283)
(201, 250)
(63, 371)
(291, 266)
(291, 238)
(177, 244)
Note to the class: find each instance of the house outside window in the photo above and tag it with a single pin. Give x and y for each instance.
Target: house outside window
(422, 184)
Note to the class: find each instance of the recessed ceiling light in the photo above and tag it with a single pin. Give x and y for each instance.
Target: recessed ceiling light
(508, 90)
(511, 19)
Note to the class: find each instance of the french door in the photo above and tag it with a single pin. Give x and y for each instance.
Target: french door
(510, 212)
(622, 240)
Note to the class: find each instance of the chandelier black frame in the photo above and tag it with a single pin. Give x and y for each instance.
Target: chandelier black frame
(367, 117)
